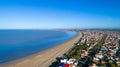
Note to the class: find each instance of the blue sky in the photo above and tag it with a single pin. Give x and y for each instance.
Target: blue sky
(49, 14)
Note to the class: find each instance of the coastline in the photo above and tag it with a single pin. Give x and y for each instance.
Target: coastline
(44, 58)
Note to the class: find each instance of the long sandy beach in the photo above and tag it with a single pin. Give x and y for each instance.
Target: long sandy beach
(44, 58)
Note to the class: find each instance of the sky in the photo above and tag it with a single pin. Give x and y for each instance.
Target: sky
(52, 14)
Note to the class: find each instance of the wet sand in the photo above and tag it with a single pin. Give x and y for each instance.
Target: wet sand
(44, 58)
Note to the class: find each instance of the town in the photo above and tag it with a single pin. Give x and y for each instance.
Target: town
(94, 49)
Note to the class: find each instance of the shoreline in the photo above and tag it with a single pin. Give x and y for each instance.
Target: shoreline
(44, 58)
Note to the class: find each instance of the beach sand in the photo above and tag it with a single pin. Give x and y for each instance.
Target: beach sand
(44, 58)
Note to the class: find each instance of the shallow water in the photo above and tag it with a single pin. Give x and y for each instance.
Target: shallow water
(16, 44)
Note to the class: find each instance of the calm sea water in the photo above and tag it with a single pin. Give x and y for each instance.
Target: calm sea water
(16, 44)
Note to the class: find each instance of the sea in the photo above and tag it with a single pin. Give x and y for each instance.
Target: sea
(16, 44)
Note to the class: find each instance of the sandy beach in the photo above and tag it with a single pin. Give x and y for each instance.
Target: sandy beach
(44, 58)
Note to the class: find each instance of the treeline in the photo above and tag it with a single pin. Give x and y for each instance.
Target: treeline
(75, 52)
(97, 47)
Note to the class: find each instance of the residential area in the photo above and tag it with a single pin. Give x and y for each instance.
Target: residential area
(94, 49)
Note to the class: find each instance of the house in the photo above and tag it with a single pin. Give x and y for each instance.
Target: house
(118, 62)
(99, 55)
(64, 62)
(103, 48)
(110, 52)
(84, 53)
(95, 59)
(93, 65)
(103, 62)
